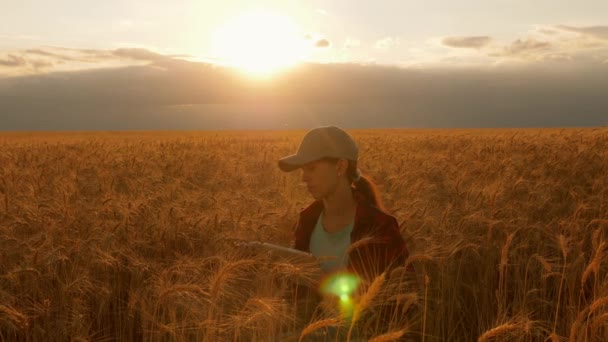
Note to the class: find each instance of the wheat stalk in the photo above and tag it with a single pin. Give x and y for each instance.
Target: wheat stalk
(498, 332)
(366, 300)
(318, 325)
(594, 265)
(14, 316)
(564, 249)
(390, 336)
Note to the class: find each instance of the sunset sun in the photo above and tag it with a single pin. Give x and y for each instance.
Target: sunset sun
(260, 43)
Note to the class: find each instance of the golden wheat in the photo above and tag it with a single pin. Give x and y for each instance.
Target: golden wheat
(123, 236)
(314, 326)
(390, 336)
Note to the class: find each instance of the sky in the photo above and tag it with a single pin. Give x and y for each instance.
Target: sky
(274, 64)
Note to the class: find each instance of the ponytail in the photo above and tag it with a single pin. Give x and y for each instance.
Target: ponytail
(364, 185)
(361, 184)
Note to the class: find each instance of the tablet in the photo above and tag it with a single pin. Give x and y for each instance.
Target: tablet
(310, 273)
(277, 250)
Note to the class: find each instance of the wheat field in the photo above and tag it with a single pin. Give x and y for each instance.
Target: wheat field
(126, 236)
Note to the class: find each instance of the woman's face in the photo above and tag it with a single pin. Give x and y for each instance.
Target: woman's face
(322, 177)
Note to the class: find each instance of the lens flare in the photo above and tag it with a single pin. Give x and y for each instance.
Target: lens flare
(343, 286)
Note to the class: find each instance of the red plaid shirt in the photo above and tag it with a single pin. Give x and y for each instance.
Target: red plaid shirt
(376, 242)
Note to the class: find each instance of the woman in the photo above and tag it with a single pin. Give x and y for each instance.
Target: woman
(345, 226)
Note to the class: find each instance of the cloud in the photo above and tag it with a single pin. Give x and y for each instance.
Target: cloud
(139, 54)
(53, 58)
(528, 49)
(316, 40)
(15, 64)
(189, 95)
(350, 43)
(600, 32)
(548, 31)
(322, 43)
(13, 61)
(467, 42)
(521, 46)
(92, 55)
(71, 54)
(43, 53)
(40, 64)
(387, 43)
(547, 44)
(555, 44)
(57, 56)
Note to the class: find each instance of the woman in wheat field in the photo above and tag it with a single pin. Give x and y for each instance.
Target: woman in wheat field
(346, 225)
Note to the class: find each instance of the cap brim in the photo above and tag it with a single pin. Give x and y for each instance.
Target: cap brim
(292, 163)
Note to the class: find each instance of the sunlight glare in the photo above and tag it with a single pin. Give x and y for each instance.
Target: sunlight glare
(260, 42)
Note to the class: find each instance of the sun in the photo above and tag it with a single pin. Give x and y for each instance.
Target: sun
(260, 42)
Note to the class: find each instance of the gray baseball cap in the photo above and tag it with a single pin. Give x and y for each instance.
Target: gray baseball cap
(321, 142)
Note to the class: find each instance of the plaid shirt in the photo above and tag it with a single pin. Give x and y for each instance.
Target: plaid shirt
(376, 242)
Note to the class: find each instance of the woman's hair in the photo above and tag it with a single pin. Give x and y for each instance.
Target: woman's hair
(365, 186)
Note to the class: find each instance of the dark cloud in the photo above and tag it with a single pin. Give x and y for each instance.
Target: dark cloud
(13, 61)
(466, 42)
(188, 95)
(322, 43)
(600, 32)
